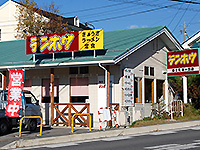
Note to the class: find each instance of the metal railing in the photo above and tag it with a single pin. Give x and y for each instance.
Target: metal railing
(176, 108)
(84, 114)
(30, 117)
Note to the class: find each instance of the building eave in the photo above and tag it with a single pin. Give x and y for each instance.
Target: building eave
(67, 64)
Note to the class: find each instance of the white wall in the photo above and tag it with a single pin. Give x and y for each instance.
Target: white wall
(8, 22)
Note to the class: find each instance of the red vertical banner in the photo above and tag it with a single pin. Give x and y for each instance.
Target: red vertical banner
(15, 88)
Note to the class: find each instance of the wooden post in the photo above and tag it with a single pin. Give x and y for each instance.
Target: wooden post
(69, 114)
(108, 92)
(5, 78)
(52, 95)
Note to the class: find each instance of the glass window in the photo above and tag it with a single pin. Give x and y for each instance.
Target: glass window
(30, 99)
(84, 70)
(79, 99)
(151, 71)
(46, 98)
(73, 70)
(146, 70)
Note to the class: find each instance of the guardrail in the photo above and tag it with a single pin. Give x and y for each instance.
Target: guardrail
(84, 114)
(20, 127)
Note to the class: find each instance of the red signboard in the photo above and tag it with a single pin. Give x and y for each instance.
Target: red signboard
(184, 62)
(52, 43)
(15, 88)
(64, 42)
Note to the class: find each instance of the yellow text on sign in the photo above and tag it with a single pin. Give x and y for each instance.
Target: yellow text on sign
(91, 39)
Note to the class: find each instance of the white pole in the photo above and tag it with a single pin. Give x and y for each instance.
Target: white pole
(184, 89)
(143, 90)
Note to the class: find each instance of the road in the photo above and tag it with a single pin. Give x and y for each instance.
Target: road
(158, 140)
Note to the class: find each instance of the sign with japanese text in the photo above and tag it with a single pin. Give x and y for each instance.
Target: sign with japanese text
(15, 88)
(184, 62)
(91, 39)
(128, 87)
(65, 42)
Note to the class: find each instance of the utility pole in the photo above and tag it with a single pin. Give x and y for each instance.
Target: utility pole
(184, 77)
(184, 31)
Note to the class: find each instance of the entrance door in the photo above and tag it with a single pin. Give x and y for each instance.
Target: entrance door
(160, 90)
(149, 90)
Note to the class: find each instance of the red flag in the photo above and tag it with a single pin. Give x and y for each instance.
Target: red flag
(15, 88)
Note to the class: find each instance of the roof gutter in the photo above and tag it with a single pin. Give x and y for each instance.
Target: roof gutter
(57, 64)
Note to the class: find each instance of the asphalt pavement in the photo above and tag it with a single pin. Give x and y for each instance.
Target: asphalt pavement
(61, 134)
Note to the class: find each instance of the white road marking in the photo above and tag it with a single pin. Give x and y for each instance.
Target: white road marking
(117, 138)
(175, 146)
(196, 128)
(62, 145)
(161, 132)
(161, 146)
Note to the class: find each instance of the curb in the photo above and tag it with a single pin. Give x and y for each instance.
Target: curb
(101, 134)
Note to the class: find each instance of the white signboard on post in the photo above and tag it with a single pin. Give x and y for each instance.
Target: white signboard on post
(128, 87)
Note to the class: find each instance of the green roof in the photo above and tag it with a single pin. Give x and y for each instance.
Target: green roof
(116, 43)
(126, 39)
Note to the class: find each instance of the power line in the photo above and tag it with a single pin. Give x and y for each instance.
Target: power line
(181, 18)
(153, 5)
(193, 17)
(182, 1)
(89, 9)
(105, 12)
(112, 11)
(175, 15)
(141, 12)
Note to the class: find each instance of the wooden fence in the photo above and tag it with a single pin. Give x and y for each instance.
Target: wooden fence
(66, 113)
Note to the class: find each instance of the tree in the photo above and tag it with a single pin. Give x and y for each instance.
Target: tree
(35, 21)
(177, 84)
(193, 88)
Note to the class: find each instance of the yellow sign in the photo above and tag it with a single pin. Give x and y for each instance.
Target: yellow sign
(91, 39)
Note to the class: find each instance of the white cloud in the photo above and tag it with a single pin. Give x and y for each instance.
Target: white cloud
(133, 26)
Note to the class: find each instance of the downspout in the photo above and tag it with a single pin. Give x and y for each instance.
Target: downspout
(105, 78)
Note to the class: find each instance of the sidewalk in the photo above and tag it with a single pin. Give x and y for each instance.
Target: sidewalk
(56, 135)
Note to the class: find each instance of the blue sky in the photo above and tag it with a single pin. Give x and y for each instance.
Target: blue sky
(126, 14)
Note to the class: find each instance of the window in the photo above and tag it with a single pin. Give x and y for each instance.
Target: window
(79, 89)
(46, 96)
(84, 70)
(151, 71)
(148, 71)
(30, 99)
(79, 70)
(73, 70)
